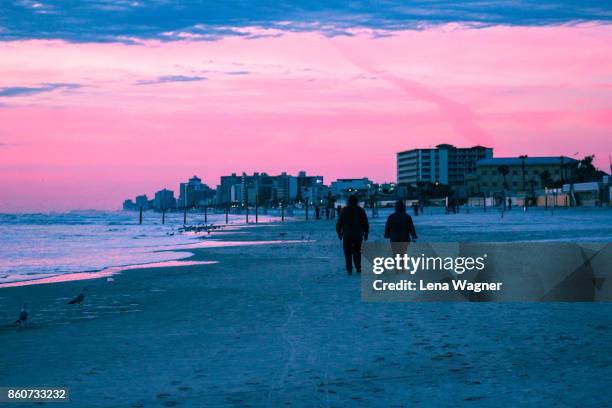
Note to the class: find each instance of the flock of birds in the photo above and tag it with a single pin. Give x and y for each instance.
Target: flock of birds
(23, 315)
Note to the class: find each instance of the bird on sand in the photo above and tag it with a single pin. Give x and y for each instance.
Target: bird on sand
(23, 315)
(78, 300)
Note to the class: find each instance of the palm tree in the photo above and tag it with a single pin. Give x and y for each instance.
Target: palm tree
(545, 178)
(504, 170)
(523, 158)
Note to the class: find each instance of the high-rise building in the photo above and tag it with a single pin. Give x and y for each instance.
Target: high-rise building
(164, 200)
(142, 202)
(284, 187)
(257, 187)
(304, 180)
(226, 190)
(267, 189)
(446, 164)
(194, 193)
(128, 205)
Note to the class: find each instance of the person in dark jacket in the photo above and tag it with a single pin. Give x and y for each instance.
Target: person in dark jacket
(399, 229)
(352, 228)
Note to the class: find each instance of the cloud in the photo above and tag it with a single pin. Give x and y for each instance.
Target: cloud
(170, 78)
(236, 72)
(14, 91)
(132, 21)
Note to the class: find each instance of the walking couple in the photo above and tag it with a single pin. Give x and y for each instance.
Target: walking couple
(353, 228)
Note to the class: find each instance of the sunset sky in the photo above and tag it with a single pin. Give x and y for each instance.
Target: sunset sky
(110, 99)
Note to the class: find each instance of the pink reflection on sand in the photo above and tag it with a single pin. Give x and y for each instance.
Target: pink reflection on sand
(103, 273)
(211, 243)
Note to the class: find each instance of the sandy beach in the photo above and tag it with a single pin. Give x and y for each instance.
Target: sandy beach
(282, 324)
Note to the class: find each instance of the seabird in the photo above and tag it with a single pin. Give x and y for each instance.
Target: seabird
(79, 298)
(23, 315)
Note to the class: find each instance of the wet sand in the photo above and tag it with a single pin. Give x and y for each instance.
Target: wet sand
(282, 325)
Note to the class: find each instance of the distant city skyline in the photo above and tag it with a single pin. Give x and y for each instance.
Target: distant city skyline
(85, 124)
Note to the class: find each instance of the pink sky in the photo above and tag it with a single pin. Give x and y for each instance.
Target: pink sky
(339, 107)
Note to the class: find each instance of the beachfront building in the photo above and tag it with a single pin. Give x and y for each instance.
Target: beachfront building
(129, 205)
(267, 189)
(164, 200)
(304, 180)
(194, 193)
(592, 193)
(142, 202)
(316, 194)
(524, 173)
(227, 189)
(284, 188)
(256, 188)
(446, 164)
(343, 188)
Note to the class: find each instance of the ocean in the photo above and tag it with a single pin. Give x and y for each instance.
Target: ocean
(36, 246)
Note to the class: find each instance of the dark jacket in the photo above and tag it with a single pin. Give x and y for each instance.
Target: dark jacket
(399, 227)
(353, 223)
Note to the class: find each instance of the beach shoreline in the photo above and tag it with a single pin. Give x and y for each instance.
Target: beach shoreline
(282, 324)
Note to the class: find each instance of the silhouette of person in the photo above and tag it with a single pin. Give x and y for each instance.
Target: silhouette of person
(399, 229)
(352, 228)
(317, 212)
(327, 212)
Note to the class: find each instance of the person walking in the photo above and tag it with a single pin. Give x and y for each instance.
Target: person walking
(399, 229)
(352, 228)
(317, 213)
